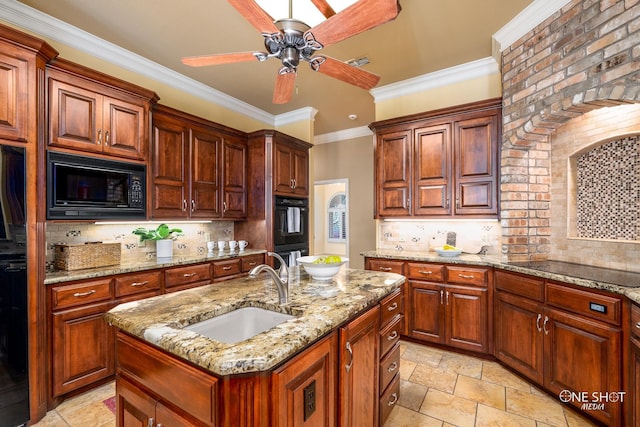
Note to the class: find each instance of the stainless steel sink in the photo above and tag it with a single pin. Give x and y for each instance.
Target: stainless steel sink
(239, 325)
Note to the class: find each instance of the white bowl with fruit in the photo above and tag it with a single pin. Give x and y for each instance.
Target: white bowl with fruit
(448, 251)
(322, 267)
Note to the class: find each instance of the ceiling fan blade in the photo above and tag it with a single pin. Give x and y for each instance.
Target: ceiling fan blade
(222, 58)
(324, 8)
(285, 83)
(255, 15)
(348, 73)
(357, 18)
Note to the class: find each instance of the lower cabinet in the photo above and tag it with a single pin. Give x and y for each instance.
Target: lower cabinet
(358, 372)
(633, 401)
(576, 349)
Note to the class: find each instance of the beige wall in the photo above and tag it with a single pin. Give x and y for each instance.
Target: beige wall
(351, 159)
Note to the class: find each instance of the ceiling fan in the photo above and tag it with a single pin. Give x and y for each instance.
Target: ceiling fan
(292, 41)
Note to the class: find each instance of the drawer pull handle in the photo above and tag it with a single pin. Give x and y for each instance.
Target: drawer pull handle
(350, 364)
(189, 274)
(538, 322)
(385, 268)
(392, 367)
(226, 267)
(252, 263)
(638, 325)
(392, 336)
(466, 276)
(84, 294)
(392, 306)
(425, 272)
(135, 284)
(393, 400)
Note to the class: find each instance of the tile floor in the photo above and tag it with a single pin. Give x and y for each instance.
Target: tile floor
(437, 388)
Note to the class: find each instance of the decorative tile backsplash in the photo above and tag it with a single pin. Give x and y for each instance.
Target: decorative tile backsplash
(471, 236)
(608, 191)
(193, 242)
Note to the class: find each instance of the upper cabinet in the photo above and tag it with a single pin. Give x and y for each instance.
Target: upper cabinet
(198, 168)
(94, 113)
(290, 168)
(22, 58)
(439, 164)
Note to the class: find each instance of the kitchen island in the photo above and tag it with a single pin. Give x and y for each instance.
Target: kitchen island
(165, 372)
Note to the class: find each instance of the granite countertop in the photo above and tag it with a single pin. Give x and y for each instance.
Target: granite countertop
(319, 307)
(617, 281)
(60, 276)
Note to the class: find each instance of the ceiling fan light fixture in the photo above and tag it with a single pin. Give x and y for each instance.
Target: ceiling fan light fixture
(358, 62)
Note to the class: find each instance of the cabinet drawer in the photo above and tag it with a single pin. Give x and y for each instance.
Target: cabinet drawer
(386, 265)
(422, 271)
(389, 399)
(188, 388)
(465, 275)
(188, 274)
(390, 306)
(390, 335)
(635, 320)
(526, 286)
(80, 293)
(137, 283)
(248, 262)
(389, 367)
(590, 304)
(226, 268)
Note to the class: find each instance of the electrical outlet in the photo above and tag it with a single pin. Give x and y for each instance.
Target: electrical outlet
(309, 400)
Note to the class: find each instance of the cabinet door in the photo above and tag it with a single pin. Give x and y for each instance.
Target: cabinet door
(205, 175)
(467, 318)
(518, 337)
(235, 179)
(14, 87)
(169, 169)
(476, 148)
(282, 169)
(133, 406)
(82, 347)
(300, 172)
(427, 314)
(304, 389)
(634, 399)
(432, 170)
(358, 374)
(582, 355)
(124, 132)
(75, 117)
(393, 174)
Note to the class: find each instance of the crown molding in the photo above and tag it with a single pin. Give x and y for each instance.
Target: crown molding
(447, 76)
(342, 135)
(525, 21)
(305, 113)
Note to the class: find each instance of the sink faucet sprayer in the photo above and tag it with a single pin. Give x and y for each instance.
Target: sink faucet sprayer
(280, 278)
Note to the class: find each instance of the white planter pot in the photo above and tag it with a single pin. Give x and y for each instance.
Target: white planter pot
(164, 248)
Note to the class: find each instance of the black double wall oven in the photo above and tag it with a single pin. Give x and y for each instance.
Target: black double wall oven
(291, 228)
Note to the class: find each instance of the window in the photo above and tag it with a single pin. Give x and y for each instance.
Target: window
(337, 218)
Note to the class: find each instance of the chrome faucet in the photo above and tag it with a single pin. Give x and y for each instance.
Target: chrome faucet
(280, 278)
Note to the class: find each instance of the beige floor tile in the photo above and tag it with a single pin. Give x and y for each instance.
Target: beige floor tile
(460, 364)
(403, 417)
(423, 355)
(494, 373)
(406, 368)
(52, 419)
(99, 394)
(411, 395)
(540, 408)
(452, 409)
(95, 414)
(434, 377)
(481, 391)
(491, 417)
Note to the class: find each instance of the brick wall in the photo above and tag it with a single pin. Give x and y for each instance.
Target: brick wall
(584, 57)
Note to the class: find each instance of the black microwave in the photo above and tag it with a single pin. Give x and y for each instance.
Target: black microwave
(80, 187)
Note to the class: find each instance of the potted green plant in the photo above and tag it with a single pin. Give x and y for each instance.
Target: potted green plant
(163, 236)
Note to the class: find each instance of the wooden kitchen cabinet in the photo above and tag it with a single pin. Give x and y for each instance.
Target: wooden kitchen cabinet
(198, 170)
(358, 371)
(449, 305)
(290, 169)
(94, 113)
(439, 164)
(190, 276)
(391, 326)
(633, 399)
(565, 339)
(304, 389)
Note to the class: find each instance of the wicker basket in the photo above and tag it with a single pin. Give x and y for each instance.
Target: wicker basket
(88, 255)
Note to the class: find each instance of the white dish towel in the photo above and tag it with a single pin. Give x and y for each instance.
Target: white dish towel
(293, 220)
(293, 257)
